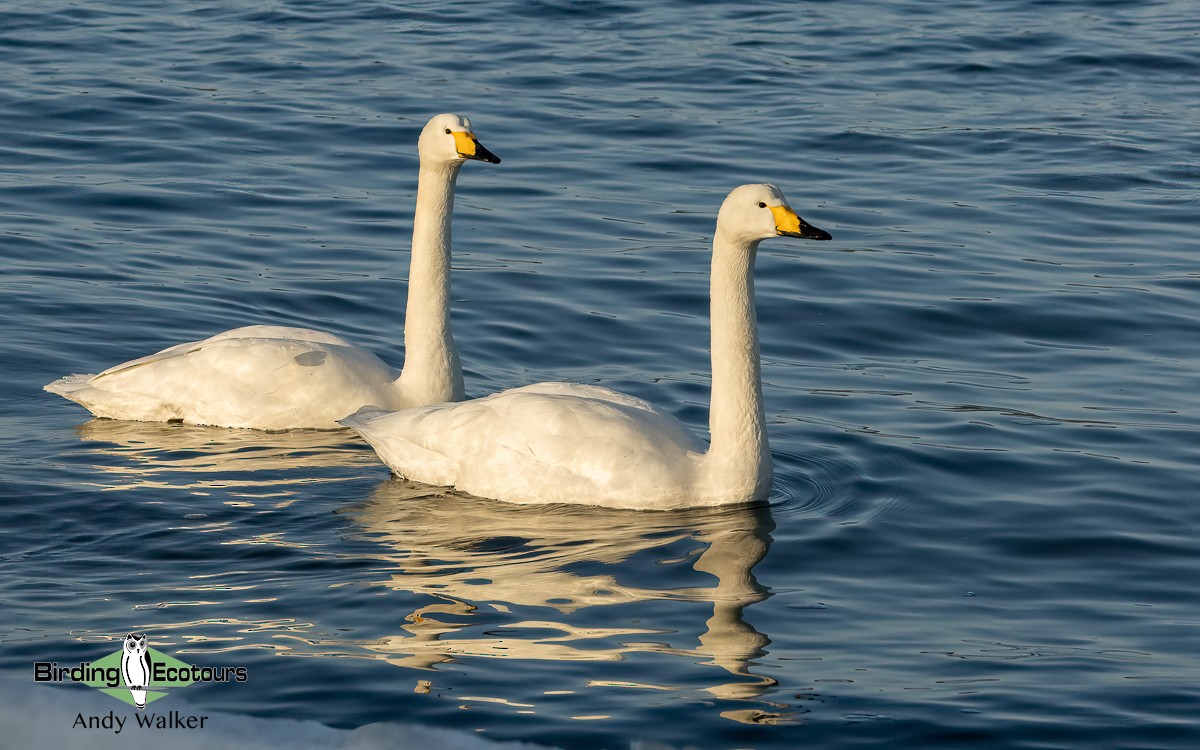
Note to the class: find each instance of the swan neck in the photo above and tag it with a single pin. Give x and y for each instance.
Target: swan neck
(738, 462)
(432, 372)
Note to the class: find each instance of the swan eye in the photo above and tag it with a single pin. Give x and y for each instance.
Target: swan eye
(762, 205)
(447, 131)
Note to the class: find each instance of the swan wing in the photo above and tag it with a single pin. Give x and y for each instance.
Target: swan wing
(262, 377)
(549, 442)
(275, 333)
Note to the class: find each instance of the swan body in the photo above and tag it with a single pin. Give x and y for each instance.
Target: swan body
(279, 378)
(547, 442)
(583, 444)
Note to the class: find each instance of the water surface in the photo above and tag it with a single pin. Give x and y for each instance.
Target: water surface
(982, 394)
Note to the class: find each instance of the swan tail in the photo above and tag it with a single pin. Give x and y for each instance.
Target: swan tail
(70, 386)
(110, 404)
(400, 451)
(362, 418)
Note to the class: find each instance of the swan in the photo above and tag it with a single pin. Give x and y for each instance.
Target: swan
(278, 378)
(585, 444)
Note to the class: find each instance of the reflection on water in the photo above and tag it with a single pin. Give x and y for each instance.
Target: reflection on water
(494, 580)
(148, 455)
(480, 557)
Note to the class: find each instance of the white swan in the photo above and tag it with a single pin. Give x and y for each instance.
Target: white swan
(279, 378)
(565, 443)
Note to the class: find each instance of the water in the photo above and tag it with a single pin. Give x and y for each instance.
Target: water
(981, 394)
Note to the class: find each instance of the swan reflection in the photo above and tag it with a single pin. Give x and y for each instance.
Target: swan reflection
(495, 580)
(156, 455)
(483, 559)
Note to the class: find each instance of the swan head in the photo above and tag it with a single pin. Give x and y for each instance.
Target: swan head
(755, 212)
(449, 139)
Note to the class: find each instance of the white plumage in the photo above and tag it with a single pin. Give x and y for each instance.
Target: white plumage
(278, 378)
(547, 442)
(564, 443)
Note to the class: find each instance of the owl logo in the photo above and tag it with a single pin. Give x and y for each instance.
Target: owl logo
(135, 667)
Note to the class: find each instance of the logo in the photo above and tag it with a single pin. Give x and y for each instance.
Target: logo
(136, 674)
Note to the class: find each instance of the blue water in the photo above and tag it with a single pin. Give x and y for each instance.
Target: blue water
(982, 394)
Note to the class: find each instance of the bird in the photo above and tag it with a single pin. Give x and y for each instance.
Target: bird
(277, 378)
(586, 444)
(135, 667)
